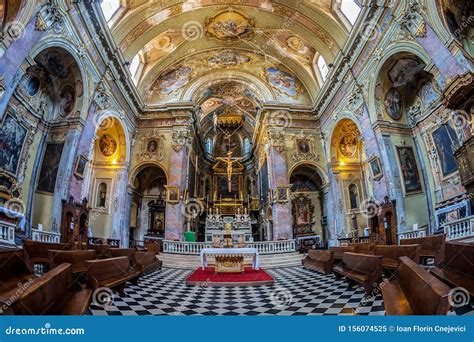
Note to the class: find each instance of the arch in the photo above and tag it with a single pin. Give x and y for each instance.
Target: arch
(140, 167)
(107, 114)
(391, 51)
(62, 43)
(320, 171)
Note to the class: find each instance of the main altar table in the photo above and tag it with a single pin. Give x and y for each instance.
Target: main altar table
(230, 251)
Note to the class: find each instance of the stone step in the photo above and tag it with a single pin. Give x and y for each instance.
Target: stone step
(266, 261)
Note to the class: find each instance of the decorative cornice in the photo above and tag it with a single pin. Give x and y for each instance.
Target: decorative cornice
(48, 16)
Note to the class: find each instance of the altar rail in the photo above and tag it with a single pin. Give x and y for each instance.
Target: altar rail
(39, 235)
(7, 233)
(460, 228)
(264, 247)
(412, 234)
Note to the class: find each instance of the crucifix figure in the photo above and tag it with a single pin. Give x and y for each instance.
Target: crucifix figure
(229, 161)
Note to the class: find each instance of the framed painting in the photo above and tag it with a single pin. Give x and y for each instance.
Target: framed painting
(172, 194)
(80, 167)
(445, 140)
(12, 138)
(409, 170)
(375, 168)
(222, 186)
(283, 194)
(49, 167)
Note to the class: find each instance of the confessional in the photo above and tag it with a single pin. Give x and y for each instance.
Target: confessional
(74, 221)
(383, 225)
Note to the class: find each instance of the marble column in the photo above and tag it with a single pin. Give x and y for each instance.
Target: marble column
(65, 168)
(178, 169)
(120, 211)
(282, 220)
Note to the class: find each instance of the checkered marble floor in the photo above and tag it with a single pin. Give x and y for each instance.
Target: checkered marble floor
(296, 291)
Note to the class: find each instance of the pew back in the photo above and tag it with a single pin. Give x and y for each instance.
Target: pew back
(76, 258)
(38, 252)
(320, 255)
(459, 257)
(361, 263)
(107, 268)
(391, 253)
(13, 264)
(339, 251)
(429, 245)
(364, 248)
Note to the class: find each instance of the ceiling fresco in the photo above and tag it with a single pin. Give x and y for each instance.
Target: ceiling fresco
(181, 42)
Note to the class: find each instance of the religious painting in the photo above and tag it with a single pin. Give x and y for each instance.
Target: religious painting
(427, 94)
(296, 44)
(172, 194)
(282, 81)
(229, 26)
(376, 168)
(57, 64)
(80, 168)
(158, 222)
(303, 146)
(393, 104)
(152, 146)
(409, 169)
(223, 186)
(79, 88)
(33, 86)
(67, 99)
(404, 71)
(227, 59)
(446, 140)
(49, 167)
(302, 210)
(283, 194)
(348, 145)
(12, 137)
(107, 145)
(354, 196)
(174, 79)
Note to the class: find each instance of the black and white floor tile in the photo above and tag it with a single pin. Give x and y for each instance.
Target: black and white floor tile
(296, 292)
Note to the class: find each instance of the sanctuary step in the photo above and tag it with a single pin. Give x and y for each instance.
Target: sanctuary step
(266, 261)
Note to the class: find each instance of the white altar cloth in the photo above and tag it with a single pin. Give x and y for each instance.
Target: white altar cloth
(224, 251)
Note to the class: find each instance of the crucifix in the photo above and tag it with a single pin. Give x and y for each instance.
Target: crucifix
(229, 162)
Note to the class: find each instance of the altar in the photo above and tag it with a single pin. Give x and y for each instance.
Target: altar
(238, 227)
(230, 252)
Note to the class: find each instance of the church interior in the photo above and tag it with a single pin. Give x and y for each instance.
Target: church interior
(257, 157)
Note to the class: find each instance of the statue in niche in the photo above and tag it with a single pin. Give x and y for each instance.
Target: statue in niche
(354, 196)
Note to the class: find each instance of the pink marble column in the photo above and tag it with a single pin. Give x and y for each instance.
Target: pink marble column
(282, 222)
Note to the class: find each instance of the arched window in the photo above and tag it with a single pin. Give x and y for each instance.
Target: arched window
(354, 196)
(134, 67)
(350, 9)
(323, 67)
(208, 146)
(246, 146)
(101, 195)
(109, 8)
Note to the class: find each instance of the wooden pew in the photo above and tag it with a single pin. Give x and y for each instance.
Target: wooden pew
(113, 273)
(364, 247)
(338, 251)
(147, 262)
(153, 246)
(76, 258)
(430, 246)
(15, 271)
(319, 260)
(128, 252)
(392, 253)
(102, 251)
(52, 294)
(38, 252)
(457, 267)
(359, 268)
(414, 291)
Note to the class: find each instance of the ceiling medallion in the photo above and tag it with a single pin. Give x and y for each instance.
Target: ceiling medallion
(229, 26)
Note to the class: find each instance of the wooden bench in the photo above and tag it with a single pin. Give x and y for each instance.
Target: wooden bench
(338, 252)
(37, 252)
(52, 294)
(392, 253)
(319, 260)
(102, 251)
(14, 270)
(430, 246)
(112, 273)
(457, 267)
(153, 246)
(76, 258)
(128, 252)
(364, 247)
(414, 291)
(359, 268)
(147, 262)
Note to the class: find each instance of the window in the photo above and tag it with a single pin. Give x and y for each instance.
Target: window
(246, 146)
(109, 8)
(350, 9)
(323, 67)
(101, 195)
(208, 146)
(134, 68)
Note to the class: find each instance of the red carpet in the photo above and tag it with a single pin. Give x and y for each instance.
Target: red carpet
(207, 277)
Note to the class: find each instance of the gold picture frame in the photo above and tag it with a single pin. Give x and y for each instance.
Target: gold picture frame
(283, 194)
(376, 168)
(172, 194)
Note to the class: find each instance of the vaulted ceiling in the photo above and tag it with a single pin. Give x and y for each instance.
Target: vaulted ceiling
(186, 46)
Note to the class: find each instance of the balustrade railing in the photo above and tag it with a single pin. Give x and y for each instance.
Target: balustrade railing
(412, 234)
(39, 235)
(264, 247)
(7, 234)
(460, 228)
